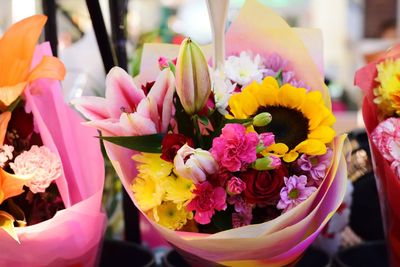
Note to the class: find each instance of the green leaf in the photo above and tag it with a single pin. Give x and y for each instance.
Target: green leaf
(204, 120)
(145, 143)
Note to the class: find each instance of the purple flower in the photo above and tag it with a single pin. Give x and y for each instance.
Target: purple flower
(243, 214)
(315, 166)
(294, 192)
(275, 63)
(235, 148)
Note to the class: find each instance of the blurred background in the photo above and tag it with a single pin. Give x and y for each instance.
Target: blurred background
(354, 33)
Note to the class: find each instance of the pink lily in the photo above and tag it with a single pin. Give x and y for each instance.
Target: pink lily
(126, 110)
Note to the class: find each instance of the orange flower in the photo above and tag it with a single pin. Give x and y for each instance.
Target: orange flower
(17, 47)
(10, 185)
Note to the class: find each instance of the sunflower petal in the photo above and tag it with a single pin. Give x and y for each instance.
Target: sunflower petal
(291, 97)
(323, 133)
(7, 224)
(236, 107)
(311, 147)
(278, 149)
(270, 87)
(291, 156)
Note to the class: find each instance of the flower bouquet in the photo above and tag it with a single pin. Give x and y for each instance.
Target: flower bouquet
(235, 164)
(50, 194)
(381, 109)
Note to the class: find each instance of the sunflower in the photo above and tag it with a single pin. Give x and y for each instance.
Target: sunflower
(301, 122)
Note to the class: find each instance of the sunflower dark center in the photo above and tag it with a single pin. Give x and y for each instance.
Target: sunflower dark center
(288, 125)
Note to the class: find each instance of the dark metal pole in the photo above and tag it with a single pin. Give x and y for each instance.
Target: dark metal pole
(50, 29)
(100, 31)
(118, 12)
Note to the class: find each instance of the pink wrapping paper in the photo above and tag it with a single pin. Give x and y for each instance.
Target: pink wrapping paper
(72, 236)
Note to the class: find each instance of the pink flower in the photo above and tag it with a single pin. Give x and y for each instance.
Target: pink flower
(294, 192)
(243, 211)
(235, 186)
(386, 137)
(42, 163)
(194, 164)
(126, 110)
(234, 148)
(163, 62)
(6, 154)
(267, 139)
(207, 199)
(315, 166)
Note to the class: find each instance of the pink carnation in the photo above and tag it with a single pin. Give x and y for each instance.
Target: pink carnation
(294, 192)
(207, 199)
(234, 148)
(235, 186)
(386, 137)
(39, 162)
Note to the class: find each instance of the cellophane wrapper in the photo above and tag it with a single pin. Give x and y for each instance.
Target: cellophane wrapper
(388, 183)
(72, 237)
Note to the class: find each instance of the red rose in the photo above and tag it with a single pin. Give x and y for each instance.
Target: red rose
(171, 144)
(263, 187)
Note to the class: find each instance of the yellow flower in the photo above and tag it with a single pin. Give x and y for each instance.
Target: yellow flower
(178, 190)
(148, 185)
(169, 216)
(148, 191)
(152, 164)
(388, 92)
(300, 122)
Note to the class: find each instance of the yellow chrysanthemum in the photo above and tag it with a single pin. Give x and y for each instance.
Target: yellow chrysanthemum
(152, 164)
(169, 216)
(153, 172)
(178, 190)
(300, 122)
(148, 191)
(388, 92)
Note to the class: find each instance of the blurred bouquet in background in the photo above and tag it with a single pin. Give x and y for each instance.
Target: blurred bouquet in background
(381, 109)
(233, 164)
(50, 195)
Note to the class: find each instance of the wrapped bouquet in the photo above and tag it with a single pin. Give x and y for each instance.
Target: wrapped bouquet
(50, 194)
(381, 109)
(235, 164)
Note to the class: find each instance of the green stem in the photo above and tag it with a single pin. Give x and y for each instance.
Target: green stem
(195, 119)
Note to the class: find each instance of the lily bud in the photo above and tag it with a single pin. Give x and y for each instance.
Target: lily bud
(194, 164)
(267, 163)
(193, 82)
(262, 119)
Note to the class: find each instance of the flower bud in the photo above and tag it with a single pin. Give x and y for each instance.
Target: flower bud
(262, 119)
(193, 82)
(194, 164)
(235, 186)
(267, 163)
